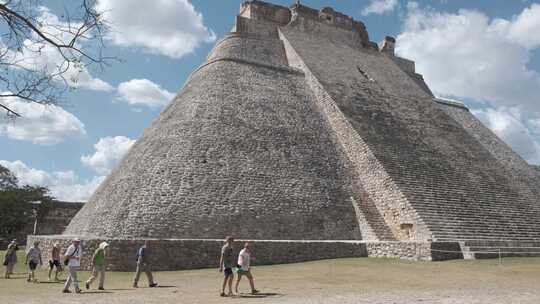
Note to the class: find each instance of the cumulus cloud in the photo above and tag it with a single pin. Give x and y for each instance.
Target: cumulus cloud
(468, 55)
(379, 7)
(143, 92)
(64, 185)
(40, 124)
(168, 27)
(38, 56)
(507, 124)
(109, 150)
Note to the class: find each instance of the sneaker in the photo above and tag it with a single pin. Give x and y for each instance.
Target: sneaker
(222, 294)
(101, 288)
(153, 285)
(78, 290)
(66, 291)
(254, 291)
(87, 285)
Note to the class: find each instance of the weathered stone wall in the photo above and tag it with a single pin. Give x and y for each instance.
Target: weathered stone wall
(298, 127)
(250, 48)
(239, 151)
(523, 176)
(426, 251)
(378, 198)
(447, 177)
(58, 217)
(176, 254)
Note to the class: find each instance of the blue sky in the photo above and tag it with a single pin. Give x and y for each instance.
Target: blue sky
(467, 50)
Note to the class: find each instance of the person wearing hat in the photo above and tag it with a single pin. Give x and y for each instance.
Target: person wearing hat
(33, 258)
(15, 247)
(98, 266)
(72, 258)
(10, 259)
(54, 262)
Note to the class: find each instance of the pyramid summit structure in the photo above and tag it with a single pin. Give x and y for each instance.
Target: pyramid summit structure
(298, 127)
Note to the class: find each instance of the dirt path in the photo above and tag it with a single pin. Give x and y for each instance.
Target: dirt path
(332, 281)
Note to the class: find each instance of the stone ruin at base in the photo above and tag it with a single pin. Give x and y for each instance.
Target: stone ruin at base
(300, 131)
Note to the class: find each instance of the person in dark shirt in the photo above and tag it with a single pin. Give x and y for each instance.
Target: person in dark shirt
(143, 264)
(226, 263)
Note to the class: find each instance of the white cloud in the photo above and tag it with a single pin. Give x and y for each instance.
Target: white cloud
(40, 124)
(37, 56)
(168, 27)
(507, 124)
(379, 7)
(64, 185)
(143, 92)
(468, 55)
(109, 150)
(524, 28)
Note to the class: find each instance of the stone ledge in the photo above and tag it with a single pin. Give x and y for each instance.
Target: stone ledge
(176, 254)
(280, 68)
(452, 103)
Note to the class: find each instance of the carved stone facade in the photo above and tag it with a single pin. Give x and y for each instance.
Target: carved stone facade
(298, 127)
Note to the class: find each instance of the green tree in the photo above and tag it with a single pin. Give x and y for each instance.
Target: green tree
(16, 208)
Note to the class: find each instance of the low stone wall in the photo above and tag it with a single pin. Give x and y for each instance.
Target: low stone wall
(426, 251)
(175, 254)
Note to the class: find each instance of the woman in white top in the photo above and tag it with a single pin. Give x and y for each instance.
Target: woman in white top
(244, 261)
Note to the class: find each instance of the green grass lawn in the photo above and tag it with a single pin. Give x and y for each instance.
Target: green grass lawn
(355, 280)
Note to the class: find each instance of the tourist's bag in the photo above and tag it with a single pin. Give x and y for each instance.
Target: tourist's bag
(66, 261)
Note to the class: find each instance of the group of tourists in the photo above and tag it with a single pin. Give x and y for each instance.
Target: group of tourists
(73, 255)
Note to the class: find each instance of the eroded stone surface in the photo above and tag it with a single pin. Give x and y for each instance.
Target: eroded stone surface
(298, 127)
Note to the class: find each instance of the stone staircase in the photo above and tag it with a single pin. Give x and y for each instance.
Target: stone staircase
(376, 221)
(489, 249)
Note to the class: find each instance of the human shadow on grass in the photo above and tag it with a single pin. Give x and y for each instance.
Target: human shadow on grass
(165, 286)
(89, 292)
(259, 295)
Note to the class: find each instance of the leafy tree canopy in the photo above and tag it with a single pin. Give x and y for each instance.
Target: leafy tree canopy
(16, 204)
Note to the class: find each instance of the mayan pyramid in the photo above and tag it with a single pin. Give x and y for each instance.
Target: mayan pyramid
(298, 127)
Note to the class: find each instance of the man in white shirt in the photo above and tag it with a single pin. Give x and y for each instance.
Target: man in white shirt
(244, 267)
(73, 256)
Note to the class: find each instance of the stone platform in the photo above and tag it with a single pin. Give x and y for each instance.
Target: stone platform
(177, 254)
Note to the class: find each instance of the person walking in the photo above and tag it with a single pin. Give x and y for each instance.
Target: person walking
(33, 258)
(15, 246)
(226, 263)
(54, 262)
(72, 258)
(244, 267)
(98, 266)
(143, 264)
(10, 259)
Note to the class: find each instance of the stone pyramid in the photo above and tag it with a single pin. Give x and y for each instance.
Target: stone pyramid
(298, 127)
